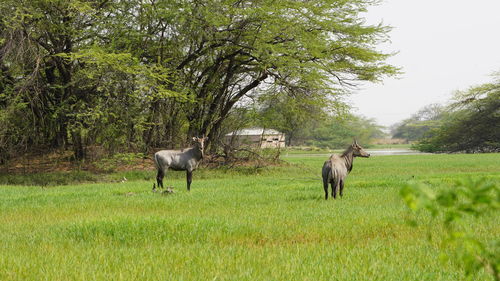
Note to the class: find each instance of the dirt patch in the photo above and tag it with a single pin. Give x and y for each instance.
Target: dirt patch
(62, 161)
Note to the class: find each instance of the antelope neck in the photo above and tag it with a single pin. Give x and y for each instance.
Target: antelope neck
(198, 151)
(348, 157)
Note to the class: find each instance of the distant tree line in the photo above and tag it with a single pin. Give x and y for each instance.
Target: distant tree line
(470, 123)
(306, 123)
(134, 75)
(419, 124)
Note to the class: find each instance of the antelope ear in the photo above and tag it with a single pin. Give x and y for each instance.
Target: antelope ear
(195, 138)
(355, 142)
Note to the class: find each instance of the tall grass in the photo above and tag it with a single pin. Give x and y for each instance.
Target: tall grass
(253, 224)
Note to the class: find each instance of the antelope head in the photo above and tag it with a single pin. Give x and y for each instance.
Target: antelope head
(200, 143)
(358, 150)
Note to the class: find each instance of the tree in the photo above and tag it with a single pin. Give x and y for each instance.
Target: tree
(338, 133)
(67, 78)
(472, 124)
(419, 124)
(152, 73)
(294, 112)
(236, 49)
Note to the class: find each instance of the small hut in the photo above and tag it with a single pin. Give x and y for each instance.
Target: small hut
(256, 137)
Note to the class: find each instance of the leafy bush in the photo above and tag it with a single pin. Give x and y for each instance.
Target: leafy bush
(449, 206)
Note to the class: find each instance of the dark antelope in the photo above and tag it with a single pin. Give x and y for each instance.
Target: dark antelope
(336, 168)
(179, 160)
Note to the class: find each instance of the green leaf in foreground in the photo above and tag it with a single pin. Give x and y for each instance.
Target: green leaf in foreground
(449, 206)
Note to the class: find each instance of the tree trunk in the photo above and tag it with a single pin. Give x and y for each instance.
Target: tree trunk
(79, 148)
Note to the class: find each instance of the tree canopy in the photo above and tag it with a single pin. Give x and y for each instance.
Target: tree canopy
(471, 123)
(140, 74)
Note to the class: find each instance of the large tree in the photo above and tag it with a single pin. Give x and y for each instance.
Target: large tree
(224, 51)
(152, 73)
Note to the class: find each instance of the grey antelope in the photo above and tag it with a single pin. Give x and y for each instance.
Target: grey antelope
(179, 160)
(336, 168)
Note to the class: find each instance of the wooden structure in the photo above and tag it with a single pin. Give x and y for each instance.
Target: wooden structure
(256, 137)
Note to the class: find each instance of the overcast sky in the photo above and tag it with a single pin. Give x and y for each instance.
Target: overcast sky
(443, 45)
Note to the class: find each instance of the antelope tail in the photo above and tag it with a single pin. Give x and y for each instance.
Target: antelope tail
(157, 162)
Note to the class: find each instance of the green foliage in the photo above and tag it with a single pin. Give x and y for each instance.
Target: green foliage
(420, 124)
(307, 122)
(133, 75)
(313, 121)
(293, 114)
(472, 124)
(450, 206)
(338, 133)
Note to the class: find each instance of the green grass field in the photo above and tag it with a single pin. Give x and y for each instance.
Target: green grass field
(249, 224)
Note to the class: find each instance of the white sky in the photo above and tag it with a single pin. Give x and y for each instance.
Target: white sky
(444, 46)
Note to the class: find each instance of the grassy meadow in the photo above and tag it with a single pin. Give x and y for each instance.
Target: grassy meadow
(245, 224)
